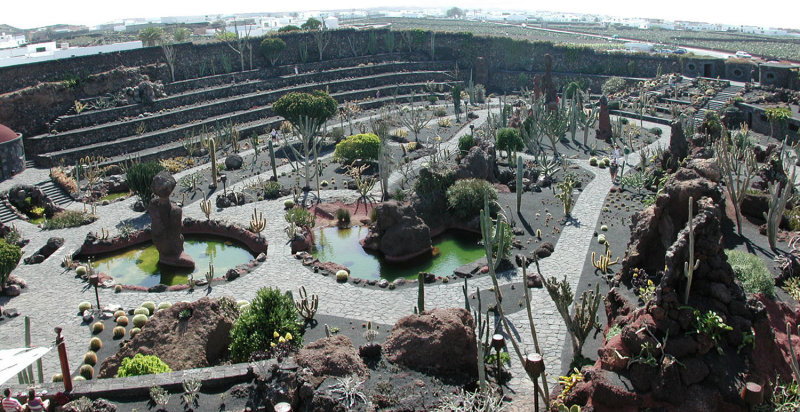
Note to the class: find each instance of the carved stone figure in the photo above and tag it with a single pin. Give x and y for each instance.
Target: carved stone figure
(167, 223)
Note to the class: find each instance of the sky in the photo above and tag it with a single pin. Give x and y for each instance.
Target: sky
(21, 14)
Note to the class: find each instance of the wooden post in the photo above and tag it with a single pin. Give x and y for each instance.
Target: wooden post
(62, 357)
(28, 345)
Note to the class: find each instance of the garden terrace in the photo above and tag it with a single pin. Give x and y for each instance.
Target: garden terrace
(228, 85)
(119, 138)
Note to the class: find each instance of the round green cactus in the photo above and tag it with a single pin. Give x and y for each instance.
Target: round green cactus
(58, 377)
(119, 332)
(134, 332)
(142, 311)
(164, 305)
(122, 321)
(139, 321)
(95, 344)
(81, 270)
(90, 358)
(342, 276)
(87, 371)
(117, 288)
(84, 306)
(151, 306)
(97, 327)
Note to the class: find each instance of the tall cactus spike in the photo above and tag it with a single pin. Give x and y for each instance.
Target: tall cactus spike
(688, 267)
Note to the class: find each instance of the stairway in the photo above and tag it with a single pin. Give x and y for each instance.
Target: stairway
(55, 193)
(716, 103)
(6, 215)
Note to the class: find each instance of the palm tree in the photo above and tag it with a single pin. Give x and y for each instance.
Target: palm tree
(151, 36)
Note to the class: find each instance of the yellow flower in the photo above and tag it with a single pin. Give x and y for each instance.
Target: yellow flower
(276, 334)
(281, 340)
(288, 336)
(649, 282)
(272, 344)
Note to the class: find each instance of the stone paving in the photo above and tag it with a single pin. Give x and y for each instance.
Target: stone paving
(52, 296)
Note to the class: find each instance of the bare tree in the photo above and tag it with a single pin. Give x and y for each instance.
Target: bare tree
(321, 38)
(414, 119)
(238, 42)
(169, 55)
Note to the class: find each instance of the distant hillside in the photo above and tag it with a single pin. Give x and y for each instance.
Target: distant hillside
(5, 28)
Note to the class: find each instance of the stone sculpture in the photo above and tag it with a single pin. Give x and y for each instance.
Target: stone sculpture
(167, 224)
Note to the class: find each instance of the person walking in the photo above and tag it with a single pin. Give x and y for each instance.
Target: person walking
(612, 167)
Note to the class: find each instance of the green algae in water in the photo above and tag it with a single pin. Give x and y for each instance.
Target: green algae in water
(455, 248)
(139, 265)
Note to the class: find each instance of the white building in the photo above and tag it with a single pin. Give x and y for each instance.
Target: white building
(331, 22)
(8, 41)
(49, 51)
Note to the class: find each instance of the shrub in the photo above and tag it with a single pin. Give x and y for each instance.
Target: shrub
(139, 321)
(90, 358)
(60, 178)
(343, 216)
(465, 143)
(97, 327)
(141, 311)
(87, 371)
(613, 85)
(66, 219)
(150, 306)
(95, 344)
(614, 105)
(508, 139)
(465, 197)
(752, 272)
(142, 365)
(140, 178)
(440, 112)
(84, 306)
(122, 321)
(444, 122)
(656, 131)
(271, 48)
(118, 332)
(342, 275)
(364, 146)
(9, 259)
(134, 331)
(272, 190)
(300, 216)
(270, 312)
(480, 93)
(164, 305)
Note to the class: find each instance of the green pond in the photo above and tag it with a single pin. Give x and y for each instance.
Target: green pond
(138, 265)
(452, 250)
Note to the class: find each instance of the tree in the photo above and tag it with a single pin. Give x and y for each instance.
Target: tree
(238, 42)
(181, 34)
(777, 116)
(271, 48)
(289, 28)
(151, 36)
(455, 12)
(414, 119)
(9, 258)
(311, 24)
(307, 112)
(456, 93)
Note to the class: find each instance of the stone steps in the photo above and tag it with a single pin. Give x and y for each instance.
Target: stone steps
(55, 193)
(6, 214)
(108, 132)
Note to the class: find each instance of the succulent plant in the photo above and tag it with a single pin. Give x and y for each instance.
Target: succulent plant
(87, 371)
(78, 378)
(117, 288)
(150, 305)
(119, 332)
(122, 321)
(90, 358)
(58, 377)
(84, 306)
(97, 327)
(604, 228)
(592, 161)
(95, 344)
(139, 321)
(241, 302)
(81, 270)
(142, 311)
(342, 276)
(118, 313)
(288, 204)
(601, 239)
(134, 331)
(164, 305)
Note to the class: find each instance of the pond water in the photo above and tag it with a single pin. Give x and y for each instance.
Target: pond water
(452, 249)
(138, 265)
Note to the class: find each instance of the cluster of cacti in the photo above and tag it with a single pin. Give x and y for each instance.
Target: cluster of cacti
(585, 317)
(738, 166)
(565, 188)
(257, 222)
(150, 306)
(307, 307)
(482, 331)
(690, 266)
(603, 262)
(210, 274)
(205, 206)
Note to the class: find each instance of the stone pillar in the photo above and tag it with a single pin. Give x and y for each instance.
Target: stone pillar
(604, 121)
(167, 223)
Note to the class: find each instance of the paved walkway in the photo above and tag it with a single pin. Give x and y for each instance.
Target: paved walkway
(53, 295)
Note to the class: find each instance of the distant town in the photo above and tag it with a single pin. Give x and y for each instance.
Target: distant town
(20, 46)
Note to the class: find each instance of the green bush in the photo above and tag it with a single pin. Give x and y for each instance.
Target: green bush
(465, 197)
(271, 311)
(66, 219)
(752, 272)
(613, 105)
(508, 139)
(9, 259)
(140, 178)
(142, 365)
(300, 216)
(656, 131)
(272, 190)
(271, 48)
(465, 143)
(613, 85)
(364, 146)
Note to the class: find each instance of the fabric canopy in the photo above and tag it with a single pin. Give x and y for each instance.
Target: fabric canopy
(13, 361)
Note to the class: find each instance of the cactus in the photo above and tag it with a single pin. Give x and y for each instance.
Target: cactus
(305, 306)
(603, 262)
(272, 160)
(519, 182)
(257, 222)
(777, 204)
(688, 267)
(211, 144)
(565, 195)
(738, 166)
(793, 364)
(210, 273)
(421, 292)
(327, 331)
(205, 206)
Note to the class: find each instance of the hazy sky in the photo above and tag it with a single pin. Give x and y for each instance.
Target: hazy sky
(775, 13)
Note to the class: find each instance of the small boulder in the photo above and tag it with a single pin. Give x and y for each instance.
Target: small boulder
(233, 162)
(334, 356)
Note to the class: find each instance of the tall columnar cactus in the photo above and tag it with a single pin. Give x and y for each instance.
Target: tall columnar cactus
(421, 292)
(738, 165)
(272, 160)
(307, 307)
(777, 204)
(565, 194)
(575, 111)
(691, 265)
(211, 144)
(587, 122)
(257, 222)
(520, 173)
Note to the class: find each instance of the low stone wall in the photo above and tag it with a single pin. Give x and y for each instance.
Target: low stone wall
(12, 158)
